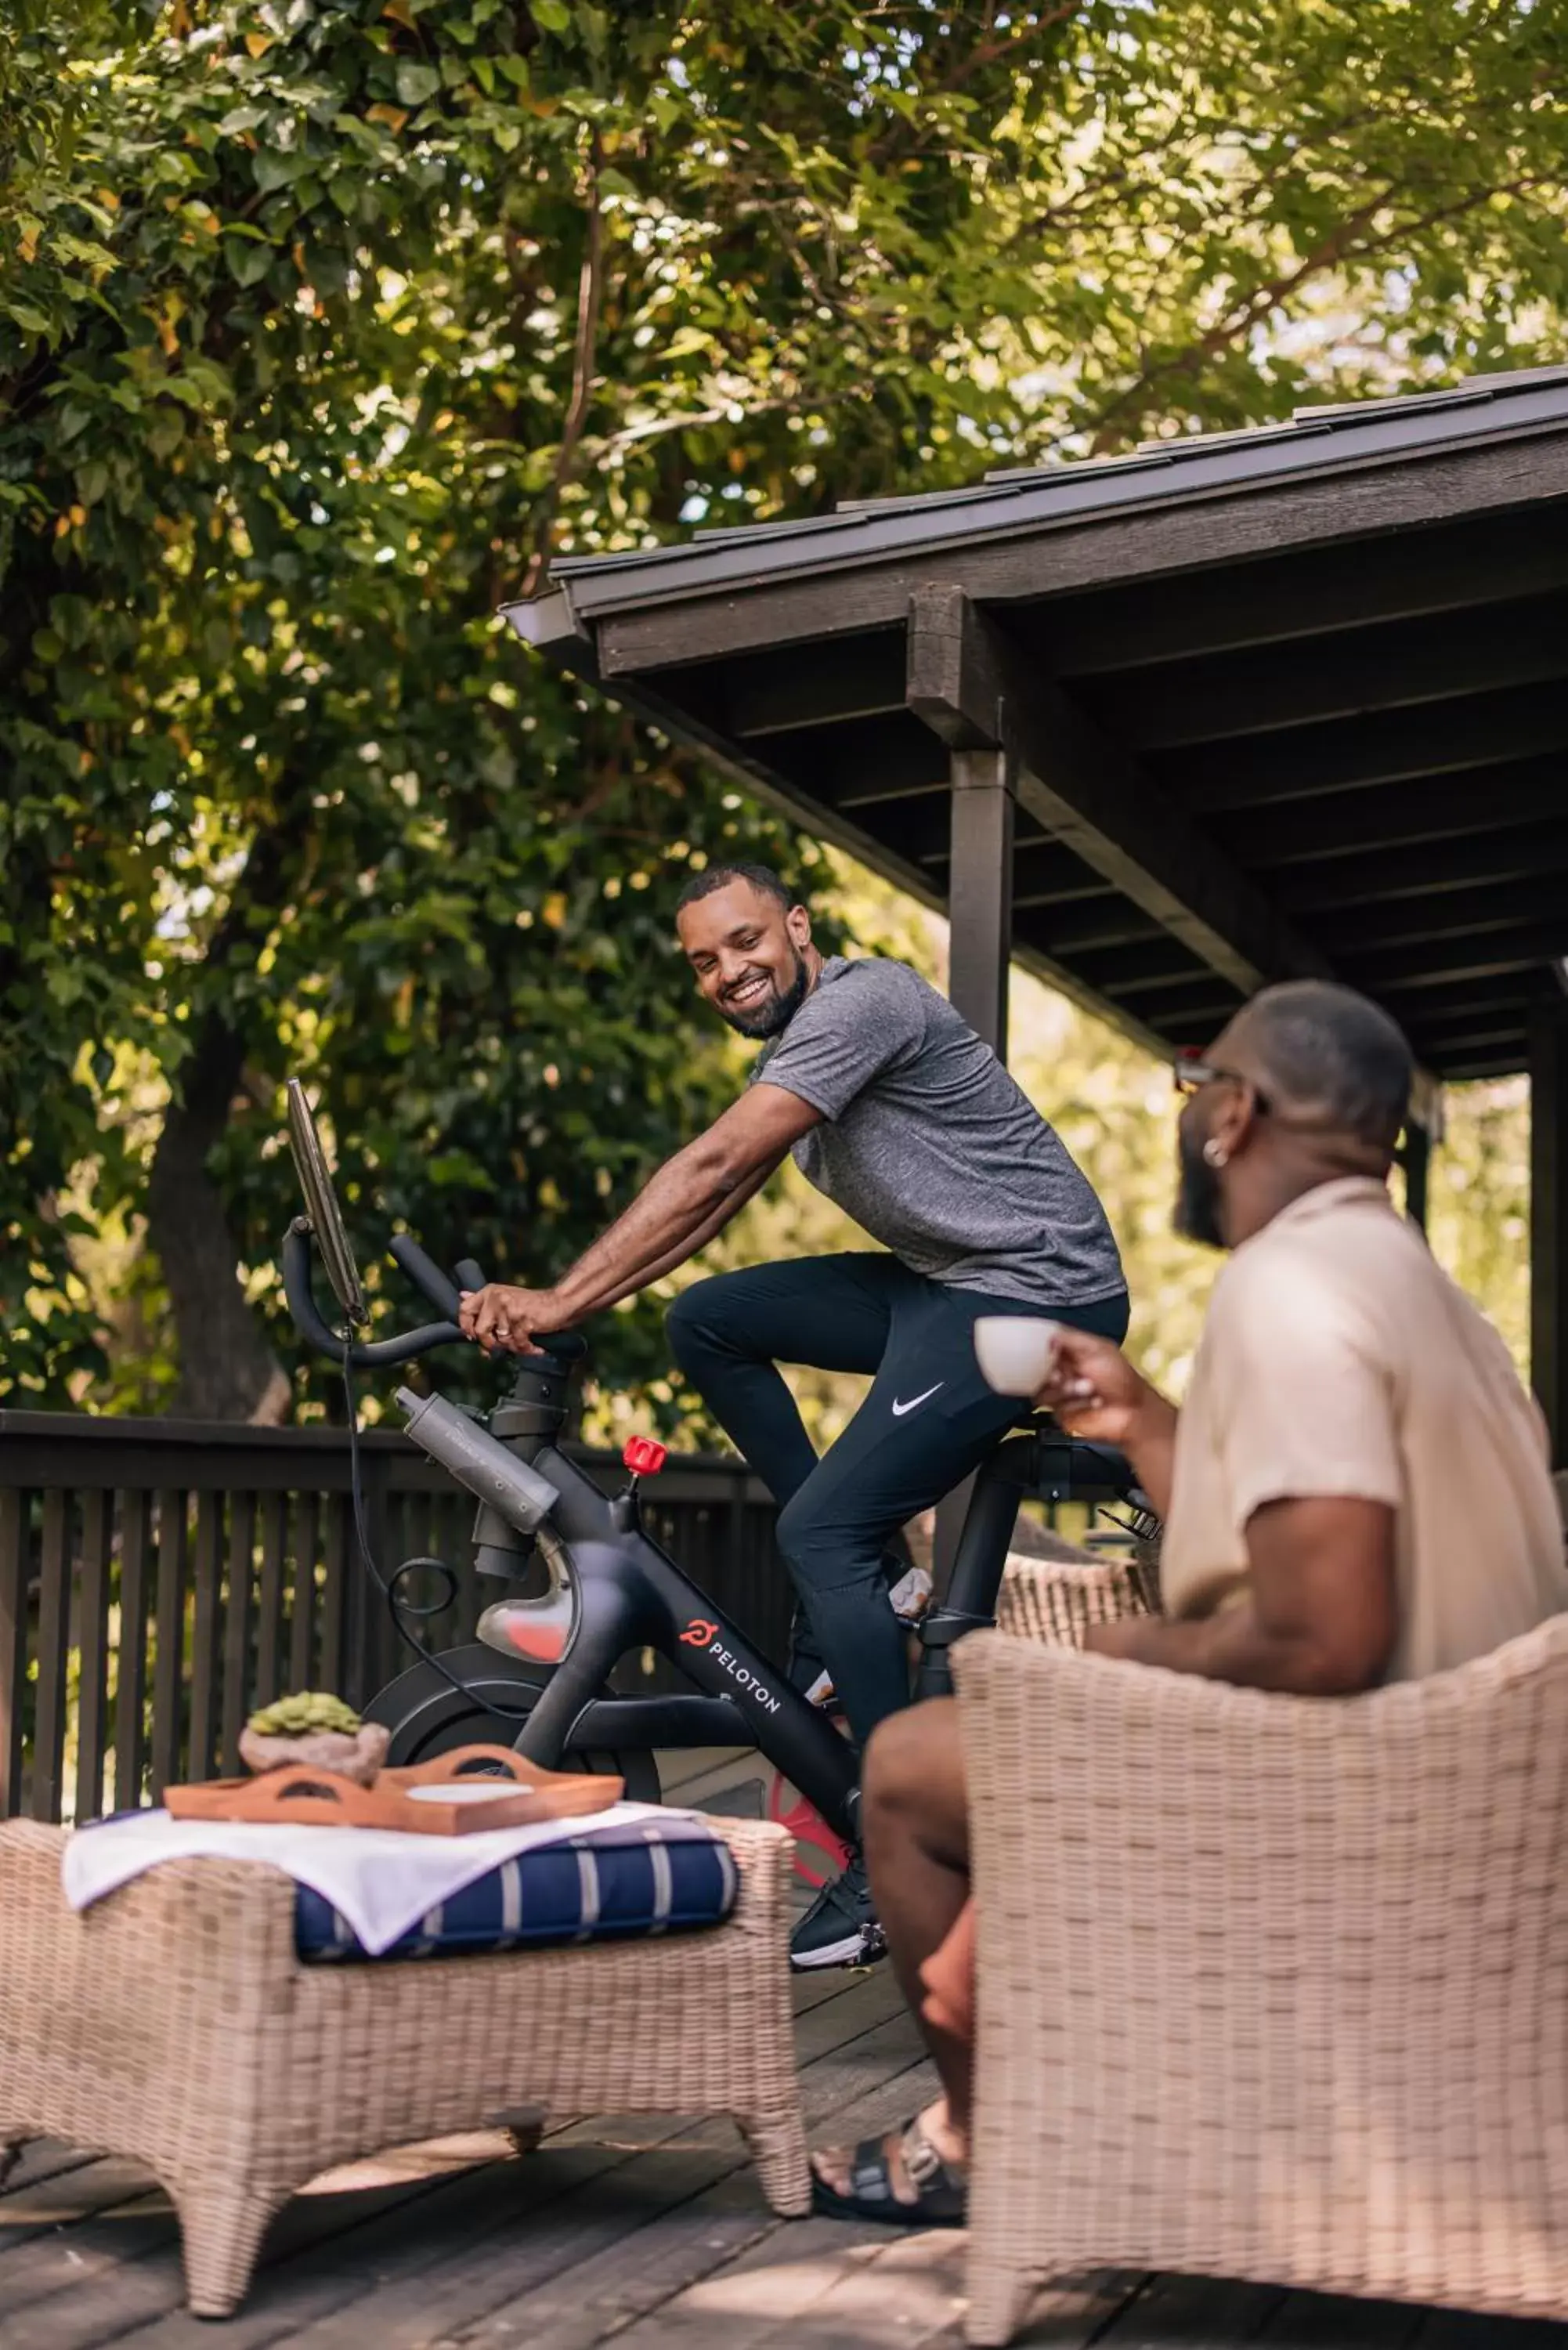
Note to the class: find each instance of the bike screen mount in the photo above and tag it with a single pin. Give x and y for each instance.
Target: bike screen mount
(322, 1215)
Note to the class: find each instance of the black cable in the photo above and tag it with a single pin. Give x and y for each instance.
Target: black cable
(398, 1608)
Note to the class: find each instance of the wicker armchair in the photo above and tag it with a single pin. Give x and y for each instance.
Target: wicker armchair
(1269, 1988)
(1054, 1601)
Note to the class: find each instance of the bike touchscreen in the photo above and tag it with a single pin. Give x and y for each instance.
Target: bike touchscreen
(321, 1206)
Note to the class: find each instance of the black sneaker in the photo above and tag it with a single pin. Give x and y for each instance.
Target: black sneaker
(840, 1929)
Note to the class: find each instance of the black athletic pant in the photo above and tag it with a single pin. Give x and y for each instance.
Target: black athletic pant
(928, 1421)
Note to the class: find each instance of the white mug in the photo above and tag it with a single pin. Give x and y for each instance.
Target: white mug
(1014, 1351)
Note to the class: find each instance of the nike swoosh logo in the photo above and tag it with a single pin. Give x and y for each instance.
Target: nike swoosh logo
(900, 1409)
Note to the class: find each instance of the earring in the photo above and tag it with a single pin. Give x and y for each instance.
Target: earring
(1215, 1153)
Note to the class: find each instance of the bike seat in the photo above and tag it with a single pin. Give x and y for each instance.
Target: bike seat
(1075, 1464)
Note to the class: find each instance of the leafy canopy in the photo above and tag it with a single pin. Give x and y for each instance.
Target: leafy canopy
(325, 323)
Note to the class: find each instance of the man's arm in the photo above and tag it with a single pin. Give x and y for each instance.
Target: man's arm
(1320, 1616)
(692, 1197)
(695, 1242)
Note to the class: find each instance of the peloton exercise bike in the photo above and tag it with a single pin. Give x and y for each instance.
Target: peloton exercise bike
(589, 1584)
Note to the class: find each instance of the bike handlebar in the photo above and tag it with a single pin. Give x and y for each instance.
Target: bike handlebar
(566, 1345)
(365, 1355)
(426, 1276)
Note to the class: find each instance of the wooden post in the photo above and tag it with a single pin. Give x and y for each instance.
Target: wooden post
(1417, 1156)
(980, 893)
(1549, 1222)
(980, 950)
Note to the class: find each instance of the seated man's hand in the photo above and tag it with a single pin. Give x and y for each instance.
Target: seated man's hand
(1094, 1392)
(503, 1320)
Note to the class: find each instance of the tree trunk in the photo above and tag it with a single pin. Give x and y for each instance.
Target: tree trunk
(227, 1370)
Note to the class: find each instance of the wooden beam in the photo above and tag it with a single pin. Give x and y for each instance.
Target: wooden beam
(1443, 915)
(1194, 1021)
(1389, 747)
(774, 692)
(1160, 969)
(1524, 948)
(1395, 815)
(919, 830)
(884, 856)
(1042, 866)
(1308, 591)
(817, 815)
(980, 893)
(1548, 1061)
(1509, 1043)
(1490, 1065)
(861, 762)
(1091, 794)
(1462, 999)
(1046, 874)
(1408, 663)
(1471, 1023)
(1108, 920)
(1459, 864)
(1158, 536)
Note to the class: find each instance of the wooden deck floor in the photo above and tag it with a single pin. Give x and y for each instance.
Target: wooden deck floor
(640, 2232)
(644, 2233)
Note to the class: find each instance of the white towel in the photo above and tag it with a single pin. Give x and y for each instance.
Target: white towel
(382, 1880)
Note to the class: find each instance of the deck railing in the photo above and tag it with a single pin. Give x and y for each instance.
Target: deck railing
(160, 1579)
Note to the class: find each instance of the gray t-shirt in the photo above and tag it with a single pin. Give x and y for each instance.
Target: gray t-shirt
(931, 1147)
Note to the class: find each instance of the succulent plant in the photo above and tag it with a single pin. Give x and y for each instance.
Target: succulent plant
(304, 1715)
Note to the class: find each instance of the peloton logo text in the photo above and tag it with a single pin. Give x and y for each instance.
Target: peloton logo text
(701, 1634)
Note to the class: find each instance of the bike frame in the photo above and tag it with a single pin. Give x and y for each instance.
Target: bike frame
(631, 1595)
(624, 1593)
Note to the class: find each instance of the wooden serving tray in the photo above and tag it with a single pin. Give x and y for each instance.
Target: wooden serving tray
(298, 1793)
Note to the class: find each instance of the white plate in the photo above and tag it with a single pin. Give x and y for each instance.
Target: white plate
(457, 1791)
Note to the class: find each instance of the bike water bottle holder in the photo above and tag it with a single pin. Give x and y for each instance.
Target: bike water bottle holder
(532, 1414)
(499, 1549)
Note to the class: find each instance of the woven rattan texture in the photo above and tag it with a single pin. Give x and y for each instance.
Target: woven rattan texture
(1056, 1601)
(1268, 1987)
(172, 2022)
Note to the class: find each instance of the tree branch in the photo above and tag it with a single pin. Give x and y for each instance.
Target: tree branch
(590, 297)
(1340, 246)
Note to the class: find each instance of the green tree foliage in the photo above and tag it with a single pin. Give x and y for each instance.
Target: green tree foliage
(275, 444)
(324, 323)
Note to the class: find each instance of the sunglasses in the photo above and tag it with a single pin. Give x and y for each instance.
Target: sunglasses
(1192, 1072)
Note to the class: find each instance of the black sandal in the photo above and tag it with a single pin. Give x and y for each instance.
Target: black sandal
(940, 2189)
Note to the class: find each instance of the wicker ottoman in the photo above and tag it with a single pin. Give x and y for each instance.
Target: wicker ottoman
(173, 2023)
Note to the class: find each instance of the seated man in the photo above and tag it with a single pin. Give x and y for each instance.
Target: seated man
(1355, 1492)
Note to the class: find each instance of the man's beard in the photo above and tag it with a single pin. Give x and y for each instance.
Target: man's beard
(1198, 1195)
(776, 1011)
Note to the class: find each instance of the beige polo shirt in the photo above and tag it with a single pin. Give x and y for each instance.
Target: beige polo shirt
(1337, 1358)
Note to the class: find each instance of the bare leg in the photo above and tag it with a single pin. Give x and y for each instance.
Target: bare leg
(915, 1820)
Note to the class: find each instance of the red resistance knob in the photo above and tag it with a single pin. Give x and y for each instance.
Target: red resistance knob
(644, 1456)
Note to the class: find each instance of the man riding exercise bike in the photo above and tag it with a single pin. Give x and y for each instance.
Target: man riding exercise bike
(894, 1108)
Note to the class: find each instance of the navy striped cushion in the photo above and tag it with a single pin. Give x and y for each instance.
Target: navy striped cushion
(652, 1880)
